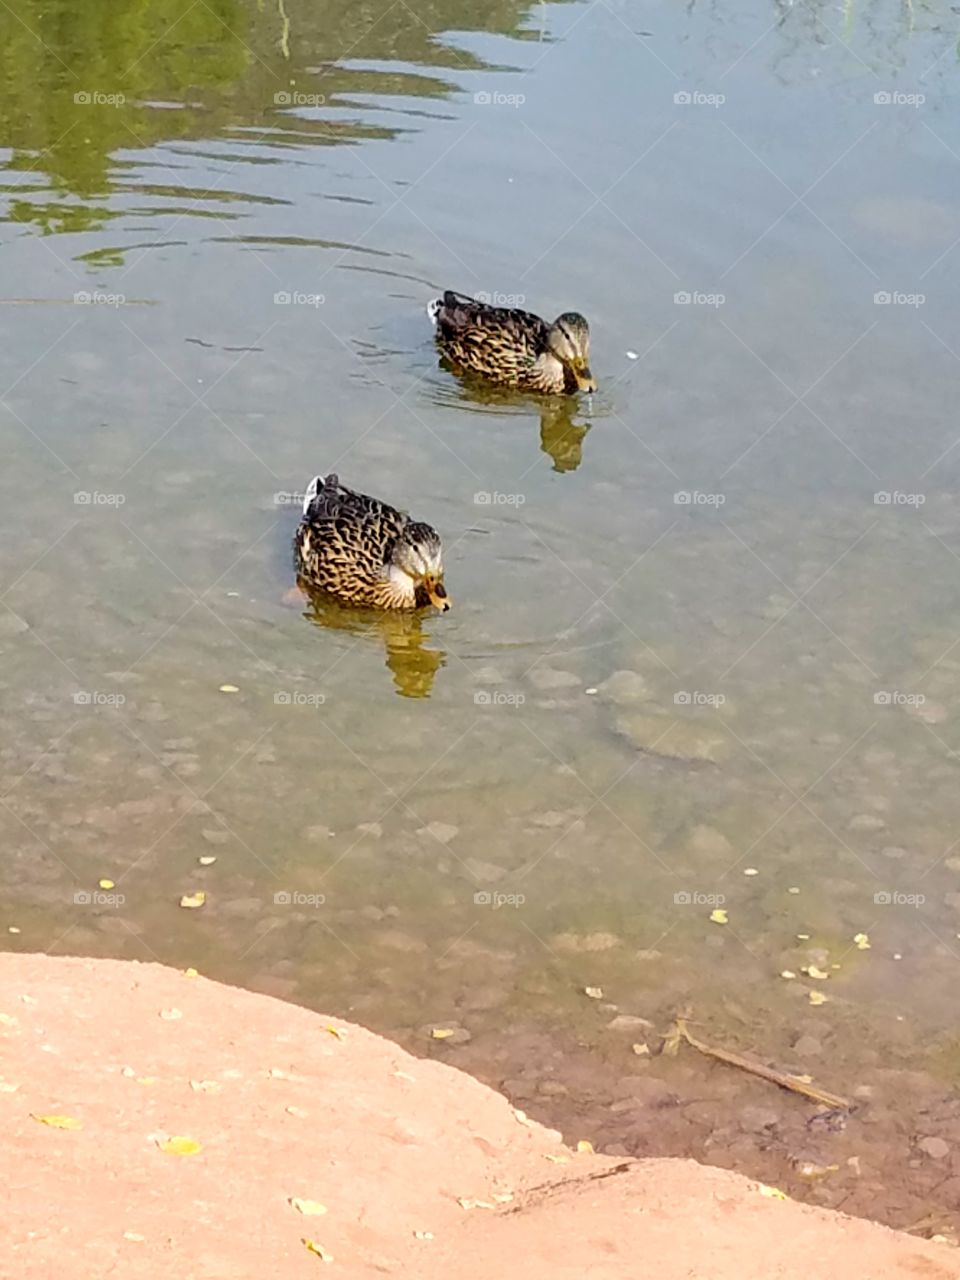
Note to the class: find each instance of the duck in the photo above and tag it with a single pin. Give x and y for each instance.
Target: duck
(514, 348)
(365, 552)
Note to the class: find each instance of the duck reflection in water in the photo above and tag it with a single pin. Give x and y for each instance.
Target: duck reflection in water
(410, 661)
(560, 437)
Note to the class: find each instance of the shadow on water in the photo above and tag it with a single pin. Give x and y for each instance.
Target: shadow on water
(411, 662)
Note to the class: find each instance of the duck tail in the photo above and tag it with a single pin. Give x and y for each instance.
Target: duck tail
(433, 310)
(316, 485)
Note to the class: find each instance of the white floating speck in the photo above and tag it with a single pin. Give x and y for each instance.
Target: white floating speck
(750, 871)
(632, 355)
(591, 692)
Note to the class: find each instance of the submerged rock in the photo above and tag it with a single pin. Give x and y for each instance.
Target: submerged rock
(684, 740)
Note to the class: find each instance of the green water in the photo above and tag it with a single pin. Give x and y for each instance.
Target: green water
(788, 645)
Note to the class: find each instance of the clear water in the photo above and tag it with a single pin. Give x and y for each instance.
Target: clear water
(791, 641)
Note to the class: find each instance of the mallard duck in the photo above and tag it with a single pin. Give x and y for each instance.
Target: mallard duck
(365, 552)
(512, 347)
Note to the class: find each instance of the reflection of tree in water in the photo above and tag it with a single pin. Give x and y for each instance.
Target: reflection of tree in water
(186, 70)
(412, 664)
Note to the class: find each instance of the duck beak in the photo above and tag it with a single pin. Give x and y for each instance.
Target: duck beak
(438, 595)
(585, 379)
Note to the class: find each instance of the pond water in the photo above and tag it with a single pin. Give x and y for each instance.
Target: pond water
(706, 632)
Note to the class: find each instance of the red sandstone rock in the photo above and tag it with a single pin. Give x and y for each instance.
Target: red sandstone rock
(390, 1144)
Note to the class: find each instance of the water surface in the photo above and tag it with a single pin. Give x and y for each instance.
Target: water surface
(705, 641)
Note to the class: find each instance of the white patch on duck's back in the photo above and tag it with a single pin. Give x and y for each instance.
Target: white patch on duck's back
(402, 584)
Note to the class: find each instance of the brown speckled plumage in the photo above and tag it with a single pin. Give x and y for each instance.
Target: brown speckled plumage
(511, 347)
(366, 552)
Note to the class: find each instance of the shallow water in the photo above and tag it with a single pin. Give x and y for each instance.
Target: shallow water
(705, 637)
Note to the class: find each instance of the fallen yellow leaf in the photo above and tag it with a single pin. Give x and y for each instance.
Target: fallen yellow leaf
(817, 997)
(297, 1111)
(7, 1020)
(862, 941)
(318, 1249)
(170, 1015)
(179, 1146)
(473, 1204)
(423, 1235)
(135, 1236)
(595, 993)
(310, 1208)
(193, 900)
(207, 860)
(106, 884)
(718, 916)
(787, 973)
(205, 1086)
(335, 1031)
(442, 1033)
(190, 973)
(813, 972)
(584, 1145)
(229, 688)
(557, 1159)
(58, 1122)
(773, 1192)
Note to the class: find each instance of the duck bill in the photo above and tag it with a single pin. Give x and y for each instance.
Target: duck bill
(585, 379)
(437, 594)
